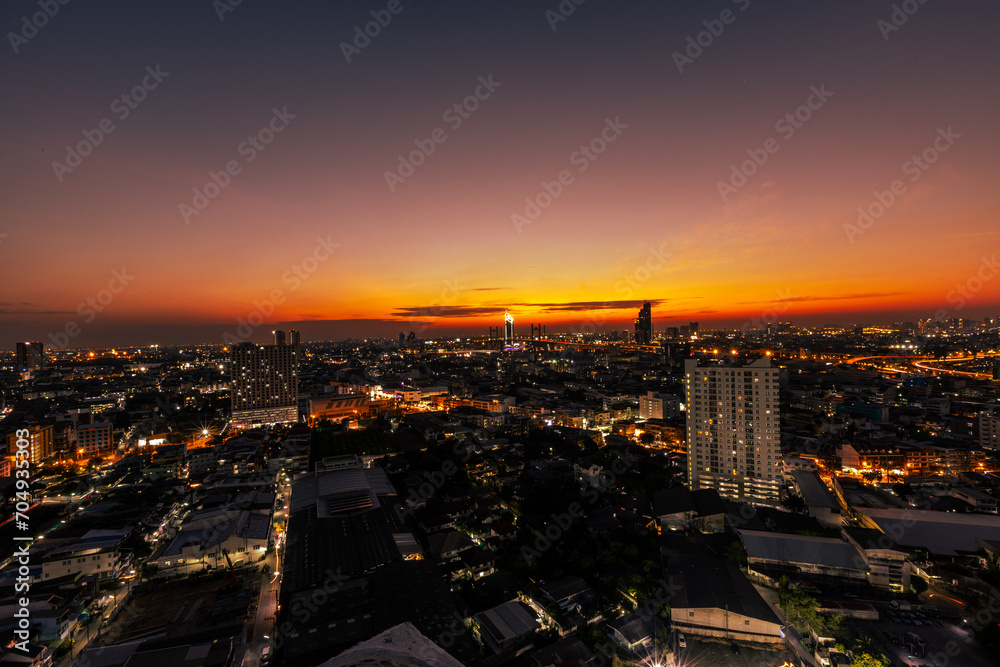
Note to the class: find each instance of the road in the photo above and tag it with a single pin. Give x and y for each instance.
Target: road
(792, 637)
(92, 632)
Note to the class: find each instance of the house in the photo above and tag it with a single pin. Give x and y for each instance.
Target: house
(719, 602)
(567, 652)
(476, 562)
(448, 544)
(98, 552)
(505, 625)
(205, 538)
(634, 631)
(568, 593)
(680, 508)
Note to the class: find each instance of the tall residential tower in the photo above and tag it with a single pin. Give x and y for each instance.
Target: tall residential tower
(265, 382)
(733, 429)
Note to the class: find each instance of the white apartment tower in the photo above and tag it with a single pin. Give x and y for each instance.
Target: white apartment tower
(733, 429)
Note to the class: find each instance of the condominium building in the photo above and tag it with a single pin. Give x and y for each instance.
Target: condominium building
(733, 429)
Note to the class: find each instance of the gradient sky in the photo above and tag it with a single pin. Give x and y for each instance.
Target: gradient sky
(645, 220)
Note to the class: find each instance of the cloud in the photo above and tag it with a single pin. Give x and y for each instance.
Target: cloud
(840, 297)
(27, 308)
(480, 311)
(446, 311)
(576, 306)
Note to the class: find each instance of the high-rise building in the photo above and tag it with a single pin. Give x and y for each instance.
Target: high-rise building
(41, 442)
(508, 329)
(279, 337)
(644, 324)
(94, 439)
(264, 383)
(30, 357)
(659, 406)
(989, 428)
(733, 429)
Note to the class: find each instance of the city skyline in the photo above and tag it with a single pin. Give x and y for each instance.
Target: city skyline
(567, 167)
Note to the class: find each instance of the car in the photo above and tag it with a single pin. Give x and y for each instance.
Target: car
(681, 641)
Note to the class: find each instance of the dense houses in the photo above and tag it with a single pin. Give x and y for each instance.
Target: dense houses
(537, 506)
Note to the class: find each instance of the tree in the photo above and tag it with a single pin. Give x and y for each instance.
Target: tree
(871, 476)
(867, 659)
(919, 584)
(736, 553)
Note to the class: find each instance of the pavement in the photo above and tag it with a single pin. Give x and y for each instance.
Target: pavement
(791, 635)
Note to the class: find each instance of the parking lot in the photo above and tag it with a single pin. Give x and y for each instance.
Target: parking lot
(716, 654)
(944, 641)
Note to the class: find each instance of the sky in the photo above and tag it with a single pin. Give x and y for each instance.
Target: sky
(184, 172)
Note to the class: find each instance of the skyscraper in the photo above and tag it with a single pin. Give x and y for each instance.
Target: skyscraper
(508, 328)
(30, 357)
(265, 383)
(733, 429)
(644, 324)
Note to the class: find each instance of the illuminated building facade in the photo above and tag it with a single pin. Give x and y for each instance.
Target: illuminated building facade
(94, 439)
(265, 383)
(29, 357)
(508, 329)
(733, 429)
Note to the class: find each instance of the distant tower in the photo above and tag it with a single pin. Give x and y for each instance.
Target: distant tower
(293, 337)
(508, 328)
(279, 337)
(30, 357)
(644, 324)
(402, 338)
